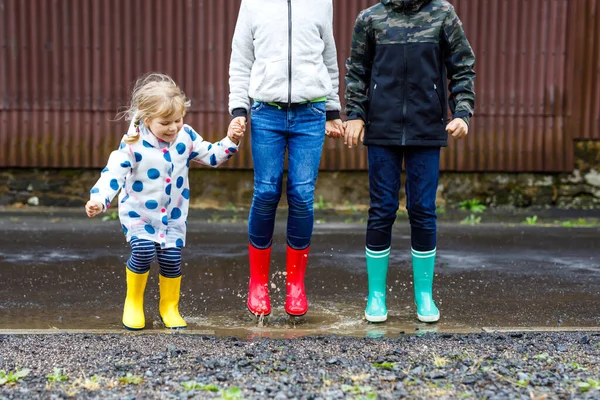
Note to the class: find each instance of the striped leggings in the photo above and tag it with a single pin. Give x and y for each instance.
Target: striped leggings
(142, 255)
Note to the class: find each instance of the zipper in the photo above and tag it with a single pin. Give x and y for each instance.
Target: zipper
(404, 99)
(289, 53)
(441, 104)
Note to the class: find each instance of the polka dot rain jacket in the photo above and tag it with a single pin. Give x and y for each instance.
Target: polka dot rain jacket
(153, 178)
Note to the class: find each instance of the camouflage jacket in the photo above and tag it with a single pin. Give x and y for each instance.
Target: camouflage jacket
(401, 56)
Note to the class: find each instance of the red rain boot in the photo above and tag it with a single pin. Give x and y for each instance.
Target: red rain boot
(296, 304)
(258, 292)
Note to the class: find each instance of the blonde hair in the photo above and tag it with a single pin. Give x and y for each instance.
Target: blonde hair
(154, 95)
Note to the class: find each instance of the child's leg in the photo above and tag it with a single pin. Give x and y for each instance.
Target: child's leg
(269, 141)
(305, 146)
(169, 261)
(385, 167)
(138, 265)
(422, 173)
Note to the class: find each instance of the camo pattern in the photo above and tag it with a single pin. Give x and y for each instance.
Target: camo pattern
(410, 21)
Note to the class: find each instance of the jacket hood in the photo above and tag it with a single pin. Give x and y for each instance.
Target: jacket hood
(405, 5)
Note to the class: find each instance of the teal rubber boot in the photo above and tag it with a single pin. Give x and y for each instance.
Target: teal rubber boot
(377, 266)
(423, 266)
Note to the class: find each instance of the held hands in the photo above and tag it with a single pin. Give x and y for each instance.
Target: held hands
(93, 208)
(335, 128)
(236, 130)
(355, 131)
(458, 128)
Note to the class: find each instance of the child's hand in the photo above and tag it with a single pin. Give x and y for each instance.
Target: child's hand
(458, 128)
(93, 208)
(335, 128)
(236, 130)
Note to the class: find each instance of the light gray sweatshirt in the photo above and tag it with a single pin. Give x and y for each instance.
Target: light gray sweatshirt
(284, 51)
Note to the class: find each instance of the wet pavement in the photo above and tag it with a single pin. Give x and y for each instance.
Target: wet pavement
(67, 273)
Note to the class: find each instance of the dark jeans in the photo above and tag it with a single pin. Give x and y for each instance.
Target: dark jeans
(422, 172)
(300, 130)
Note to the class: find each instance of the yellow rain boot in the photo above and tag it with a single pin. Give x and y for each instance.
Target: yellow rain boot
(169, 302)
(133, 312)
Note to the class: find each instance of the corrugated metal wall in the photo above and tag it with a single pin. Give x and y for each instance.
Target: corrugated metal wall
(67, 65)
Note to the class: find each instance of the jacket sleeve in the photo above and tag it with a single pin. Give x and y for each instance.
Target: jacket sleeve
(460, 61)
(359, 66)
(240, 64)
(333, 105)
(113, 175)
(207, 153)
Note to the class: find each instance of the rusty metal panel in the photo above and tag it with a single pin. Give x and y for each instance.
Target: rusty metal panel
(66, 66)
(584, 71)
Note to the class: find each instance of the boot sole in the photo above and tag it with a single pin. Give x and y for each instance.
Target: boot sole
(257, 315)
(372, 318)
(431, 318)
(297, 315)
(132, 329)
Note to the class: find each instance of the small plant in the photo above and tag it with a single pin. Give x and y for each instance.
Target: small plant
(57, 376)
(230, 207)
(531, 220)
(321, 205)
(439, 362)
(577, 223)
(384, 365)
(577, 366)
(111, 217)
(588, 385)
(13, 377)
(471, 220)
(193, 385)
(131, 379)
(232, 393)
(474, 206)
(357, 389)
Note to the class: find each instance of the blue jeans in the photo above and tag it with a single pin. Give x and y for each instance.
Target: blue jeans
(422, 173)
(302, 131)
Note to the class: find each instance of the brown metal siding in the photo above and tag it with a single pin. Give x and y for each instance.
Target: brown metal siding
(584, 70)
(67, 65)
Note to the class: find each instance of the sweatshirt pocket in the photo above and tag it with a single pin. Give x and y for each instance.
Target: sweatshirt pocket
(267, 81)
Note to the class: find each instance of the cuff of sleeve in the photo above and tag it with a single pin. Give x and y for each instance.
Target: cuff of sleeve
(229, 143)
(332, 114)
(239, 112)
(355, 115)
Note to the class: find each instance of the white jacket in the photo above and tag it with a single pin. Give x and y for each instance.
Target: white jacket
(153, 178)
(278, 58)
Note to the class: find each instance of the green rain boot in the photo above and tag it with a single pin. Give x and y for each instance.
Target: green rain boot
(423, 266)
(377, 266)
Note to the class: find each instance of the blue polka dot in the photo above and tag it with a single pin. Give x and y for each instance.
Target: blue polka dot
(95, 190)
(209, 146)
(179, 243)
(138, 186)
(151, 204)
(163, 244)
(133, 214)
(187, 164)
(125, 199)
(181, 148)
(213, 160)
(191, 132)
(124, 229)
(193, 155)
(138, 157)
(126, 164)
(175, 213)
(169, 202)
(232, 150)
(114, 184)
(105, 170)
(122, 145)
(165, 220)
(146, 144)
(180, 181)
(153, 173)
(168, 190)
(186, 194)
(167, 156)
(149, 229)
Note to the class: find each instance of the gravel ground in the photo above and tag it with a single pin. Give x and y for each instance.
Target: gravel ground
(181, 366)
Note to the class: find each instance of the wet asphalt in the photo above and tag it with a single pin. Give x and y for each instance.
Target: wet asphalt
(64, 272)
